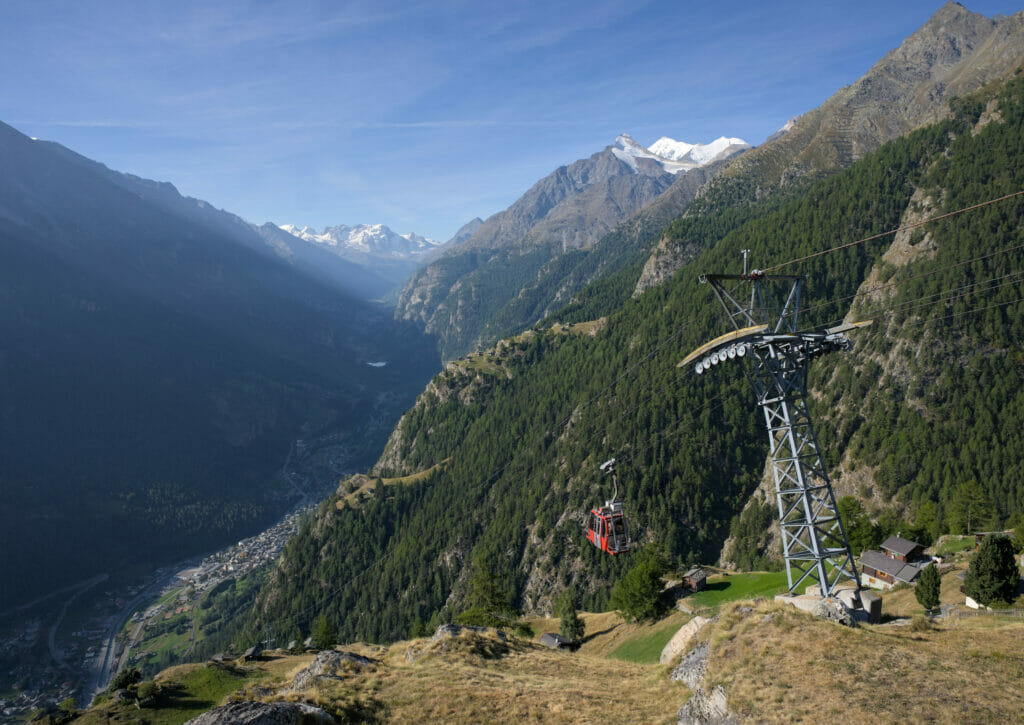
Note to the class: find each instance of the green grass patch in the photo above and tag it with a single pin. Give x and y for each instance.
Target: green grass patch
(646, 648)
(166, 642)
(729, 588)
(182, 697)
(170, 596)
(954, 545)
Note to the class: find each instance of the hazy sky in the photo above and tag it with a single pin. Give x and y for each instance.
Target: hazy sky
(420, 115)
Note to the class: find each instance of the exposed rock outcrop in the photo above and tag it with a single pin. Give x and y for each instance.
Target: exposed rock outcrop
(326, 664)
(707, 709)
(954, 53)
(264, 713)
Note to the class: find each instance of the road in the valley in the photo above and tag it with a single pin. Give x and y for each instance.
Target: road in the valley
(51, 641)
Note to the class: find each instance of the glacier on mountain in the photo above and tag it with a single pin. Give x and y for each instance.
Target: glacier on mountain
(371, 240)
(675, 156)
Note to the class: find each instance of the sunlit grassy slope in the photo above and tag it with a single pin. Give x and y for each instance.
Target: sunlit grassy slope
(776, 664)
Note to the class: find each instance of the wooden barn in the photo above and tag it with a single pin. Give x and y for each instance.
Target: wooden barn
(695, 579)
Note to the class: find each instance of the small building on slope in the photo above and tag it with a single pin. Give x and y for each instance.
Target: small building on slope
(884, 572)
(905, 550)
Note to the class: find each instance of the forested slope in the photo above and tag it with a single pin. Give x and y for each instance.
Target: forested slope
(526, 428)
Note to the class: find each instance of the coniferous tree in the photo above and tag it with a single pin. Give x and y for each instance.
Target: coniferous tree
(488, 602)
(993, 574)
(927, 589)
(324, 634)
(571, 626)
(639, 595)
(969, 509)
(860, 532)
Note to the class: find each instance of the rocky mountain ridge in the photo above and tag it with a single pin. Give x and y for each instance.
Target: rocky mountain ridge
(458, 294)
(954, 53)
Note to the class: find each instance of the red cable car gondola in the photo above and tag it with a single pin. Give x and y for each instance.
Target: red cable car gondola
(606, 525)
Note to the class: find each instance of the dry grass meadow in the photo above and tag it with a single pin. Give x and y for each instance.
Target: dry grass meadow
(775, 663)
(780, 665)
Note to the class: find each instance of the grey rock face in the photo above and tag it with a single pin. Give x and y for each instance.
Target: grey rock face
(264, 713)
(692, 667)
(707, 709)
(326, 665)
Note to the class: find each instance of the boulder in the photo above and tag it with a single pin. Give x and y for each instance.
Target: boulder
(326, 665)
(555, 641)
(834, 611)
(264, 713)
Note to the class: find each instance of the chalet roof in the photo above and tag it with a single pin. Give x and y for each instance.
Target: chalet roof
(695, 573)
(886, 564)
(900, 545)
(554, 640)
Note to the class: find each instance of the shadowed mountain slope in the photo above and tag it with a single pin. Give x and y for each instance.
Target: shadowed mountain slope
(157, 361)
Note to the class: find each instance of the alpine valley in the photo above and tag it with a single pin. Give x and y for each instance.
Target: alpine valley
(201, 375)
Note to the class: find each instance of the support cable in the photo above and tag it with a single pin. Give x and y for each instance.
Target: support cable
(913, 225)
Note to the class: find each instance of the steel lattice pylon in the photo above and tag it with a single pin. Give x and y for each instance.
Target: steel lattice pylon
(814, 541)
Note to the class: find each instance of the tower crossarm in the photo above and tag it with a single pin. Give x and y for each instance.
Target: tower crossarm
(775, 355)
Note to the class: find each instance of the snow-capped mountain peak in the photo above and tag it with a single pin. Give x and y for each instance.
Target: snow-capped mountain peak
(365, 240)
(675, 156)
(627, 150)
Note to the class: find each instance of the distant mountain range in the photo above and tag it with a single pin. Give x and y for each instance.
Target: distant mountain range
(374, 247)
(366, 240)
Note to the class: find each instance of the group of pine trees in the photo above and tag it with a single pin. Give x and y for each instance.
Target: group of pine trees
(930, 403)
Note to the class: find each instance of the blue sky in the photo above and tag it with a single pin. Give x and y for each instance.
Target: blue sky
(419, 115)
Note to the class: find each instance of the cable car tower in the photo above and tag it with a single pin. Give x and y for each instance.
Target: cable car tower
(763, 310)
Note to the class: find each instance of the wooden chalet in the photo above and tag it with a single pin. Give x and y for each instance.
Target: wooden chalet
(695, 579)
(884, 572)
(905, 550)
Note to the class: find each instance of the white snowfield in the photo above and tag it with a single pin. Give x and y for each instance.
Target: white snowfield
(376, 240)
(675, 156)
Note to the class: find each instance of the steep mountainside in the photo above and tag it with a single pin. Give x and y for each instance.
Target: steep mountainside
(157, 362)
(522, 429)
(461, 296)
(954, 53)
(348, 278)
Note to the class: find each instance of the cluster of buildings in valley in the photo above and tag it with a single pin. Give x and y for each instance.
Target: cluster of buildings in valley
(37, 681)
(238, 560)
(244, 557)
